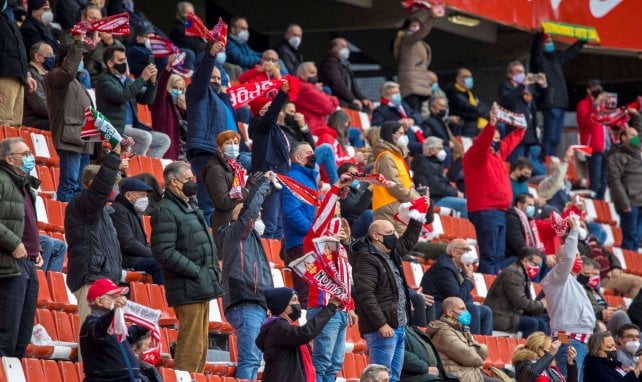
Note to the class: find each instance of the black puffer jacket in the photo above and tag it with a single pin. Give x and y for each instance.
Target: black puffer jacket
(93, 252)
(429, 171)
(246, 272)
(12, 49)
(375, 289)
(129, 228)
(34, 31)
(183, 245)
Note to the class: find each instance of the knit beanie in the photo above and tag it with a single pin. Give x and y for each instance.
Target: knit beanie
(278, 299)
(388, 129)
(34, 5)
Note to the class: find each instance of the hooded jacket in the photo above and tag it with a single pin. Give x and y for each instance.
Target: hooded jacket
(529, 367)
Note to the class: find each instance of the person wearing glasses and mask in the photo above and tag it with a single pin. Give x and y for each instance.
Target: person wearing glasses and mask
(602, 363)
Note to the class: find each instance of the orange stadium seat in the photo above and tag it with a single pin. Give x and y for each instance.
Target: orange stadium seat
(50, 368)
(32, 368)
(144, 115)
(139, 293)
(157, 301)
(68, 371)
(59, 291)
(168, 375)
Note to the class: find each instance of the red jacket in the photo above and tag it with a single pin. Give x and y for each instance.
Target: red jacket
(329, 135)
(487, 182)
(591, 133)
(252, 75)
(315, 105)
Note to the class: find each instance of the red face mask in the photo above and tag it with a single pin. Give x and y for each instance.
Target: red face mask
(532, 271)
(593, 282)
(151, 356)
(577, 265)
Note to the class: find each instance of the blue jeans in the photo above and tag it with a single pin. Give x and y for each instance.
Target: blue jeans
(326, 159)
(481, 319)
(245, 159)
(53, 253)
(198, 159)
(71, 166)
(529, 325)
(387, 351)
(18, 297)
(561, 357)
(490, 226)
(360, 226)
(148, 265)
(597, 174)
(246, 319)
(457, 204)
(553, 124)
(631, 223)
(329, 346)
(271, 216)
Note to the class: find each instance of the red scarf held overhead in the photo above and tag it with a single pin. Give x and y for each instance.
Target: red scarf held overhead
(194, 27)
(118, 25)
(243, 94)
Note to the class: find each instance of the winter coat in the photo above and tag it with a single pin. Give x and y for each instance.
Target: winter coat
(509, 298)
(515, 238)
(246, 271)
(552, 65)
(460, 106)
(14, 55)
(419, 354)
(35, 104)
(178, 37)
(129, 228)
(270, 149)
(487, 182)
(356, 202)
(459, 352)
(375, 290)
(598, 305)
(512, 99)
(328, 135)
(166, 114)
(384, 113)
(414, 59)
(207, 115)
(112, 98)
(94, 62)
(34, 31)
(295, 135)
(138, 58)
(444, 280)
(599, 369)
(93, 252)
(183, 245)
(12, 215)
(240, 53)
(338, 75)
(592, 133)
(624, 169)
(429, 172)
(315, 105)
(435, 127)
(280, 342)
(297, 215)
(67, 100)
(291, 57)
(529, 367)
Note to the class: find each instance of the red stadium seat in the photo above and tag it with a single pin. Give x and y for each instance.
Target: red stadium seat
(59, 291)
(139, 293)
(51, 370)
(64, 327)
(157, 301)
(68, 371)
(33, 370)
(168, 375)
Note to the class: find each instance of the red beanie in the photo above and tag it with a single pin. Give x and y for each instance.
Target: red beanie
(258, 104)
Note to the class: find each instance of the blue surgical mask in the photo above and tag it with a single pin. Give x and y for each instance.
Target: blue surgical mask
(50, 62)
(464, 318)
(81, 66)
(175, 93)
(396, 99)
(519, 78)
(28, 163)
(549, 47)
(435, 87)
(221, 57)
(355, 184)
(530, 211)
(469, 82)
(231, 151)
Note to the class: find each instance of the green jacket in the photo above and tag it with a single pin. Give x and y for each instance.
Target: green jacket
(183, 245)
(112, 96)
(12, 216)
(419, 355)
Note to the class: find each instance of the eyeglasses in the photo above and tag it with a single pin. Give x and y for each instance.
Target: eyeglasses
(24, 154)
(272, 60)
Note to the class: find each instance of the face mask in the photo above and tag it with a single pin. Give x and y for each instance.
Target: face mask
(175, 93)
(141, 204)
(468, 258)
(121, 68)
(635, 142)
(47, 17)
(469, 82)
(295, 42)
(522, 178)
(151, 356)
(549, 47)
(296, 312)
(441, 155)
(243, 36)
(464, 318)
(312, 161)
(632, 346)
(128, 5)
(596, 93)
(496, 145)
(441, 114)
(49, 63)
(289, 120)
(189, 188)
(28, 163)
(355, 184)
(519, 78)
(231, 151)
(81, 66)
(582, 234)
(402, 142)
(577, 265)
(221, 57)
(344, 53)
(612, 355)
(259, 226)
(435, 87)
(216, 87)
(532, 271)
(148, 44)
(593, 282)
(413, 29)
(390, 241)
(530, 211)
(313, 79)
(396, 99)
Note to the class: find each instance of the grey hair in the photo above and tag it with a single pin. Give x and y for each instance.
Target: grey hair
(295, 148)
(511, 65)
(175, 170)
(6, 146)
(432, 142)
(387, 86)
(303, 67)
(181, 5)
(433, 100)
(371, 372)
(451, 245)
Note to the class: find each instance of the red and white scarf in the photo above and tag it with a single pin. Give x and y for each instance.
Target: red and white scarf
(139, 315)
(194, 27)
(303, 193)
(243, 94)
(529, 228)
(400, 109)
(118, 25)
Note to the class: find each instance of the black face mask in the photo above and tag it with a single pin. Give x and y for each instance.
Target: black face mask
(121, 68)
(296, 312)
(390, 241)
(496, 145)
(313, 79)
(582, 279)
(612, 355)
(289, 120)
(522, 178)
(189, 188)
(596, 93)
(441, 114)
(312, 161)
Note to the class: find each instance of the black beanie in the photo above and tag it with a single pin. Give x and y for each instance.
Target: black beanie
(34, 5)
(278, 299)
(388, 129)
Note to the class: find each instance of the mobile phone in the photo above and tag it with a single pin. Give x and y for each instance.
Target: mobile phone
(531, 77)
(151, 59)
(563, 338)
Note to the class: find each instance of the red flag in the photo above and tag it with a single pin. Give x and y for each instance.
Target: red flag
(219, 32)
(439, 9)
(162, 47)
(303, 193)
(586, 150)
(118, 25)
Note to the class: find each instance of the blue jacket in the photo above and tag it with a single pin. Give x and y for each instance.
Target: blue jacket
(241, 54)
(443, 280)
(297, 215)
(206, 110)
(270, 150)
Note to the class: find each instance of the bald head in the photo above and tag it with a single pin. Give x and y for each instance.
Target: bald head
(378, 230)
(453, 303)
(270, 55)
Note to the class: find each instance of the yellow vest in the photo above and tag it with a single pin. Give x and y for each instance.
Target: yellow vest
(380, 194)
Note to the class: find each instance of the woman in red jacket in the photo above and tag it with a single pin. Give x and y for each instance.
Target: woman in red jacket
(336, 136)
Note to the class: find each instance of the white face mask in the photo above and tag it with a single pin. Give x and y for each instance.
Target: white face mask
(469, 258)
(632, 346)
(294, 42)
(148, 44)
(344, 53)
(581, 233)
(259, 226)
(47, 17)
(441, 155)
(243, 36)
(402, 141)
(141, 204)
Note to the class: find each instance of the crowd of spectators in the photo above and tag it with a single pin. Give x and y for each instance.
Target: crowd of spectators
(221, 200)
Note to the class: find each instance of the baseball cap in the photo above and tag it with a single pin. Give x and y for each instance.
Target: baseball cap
(102, 287)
